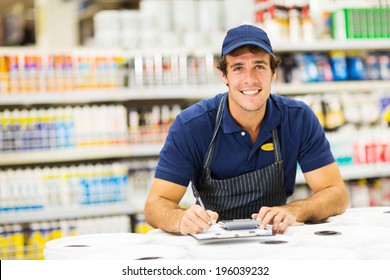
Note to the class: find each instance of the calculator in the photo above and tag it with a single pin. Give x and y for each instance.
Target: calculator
(239, 224)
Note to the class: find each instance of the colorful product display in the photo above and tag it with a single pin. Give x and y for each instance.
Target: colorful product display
(78, 71)
(335, 66)
(361, 23)
(62, 128)
(25, 190)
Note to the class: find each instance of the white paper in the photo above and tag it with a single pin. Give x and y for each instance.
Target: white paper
(217, 232)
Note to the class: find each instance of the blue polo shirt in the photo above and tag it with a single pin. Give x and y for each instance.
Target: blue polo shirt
(302, 140)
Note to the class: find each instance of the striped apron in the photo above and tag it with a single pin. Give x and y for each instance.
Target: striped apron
(241, 196)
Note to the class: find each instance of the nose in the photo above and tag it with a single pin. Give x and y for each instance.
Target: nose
(249, 76)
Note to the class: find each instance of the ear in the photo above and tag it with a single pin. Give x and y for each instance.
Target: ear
(274, 76)
(224, 78)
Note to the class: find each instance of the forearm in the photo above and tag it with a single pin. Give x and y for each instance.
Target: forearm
(323, 204)
(163, 213)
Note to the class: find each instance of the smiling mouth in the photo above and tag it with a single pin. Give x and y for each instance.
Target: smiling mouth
(250, 92)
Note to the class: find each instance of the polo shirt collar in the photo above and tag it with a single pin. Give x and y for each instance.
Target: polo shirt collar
(271, 119)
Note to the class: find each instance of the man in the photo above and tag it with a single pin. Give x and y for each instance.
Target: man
(240, 151)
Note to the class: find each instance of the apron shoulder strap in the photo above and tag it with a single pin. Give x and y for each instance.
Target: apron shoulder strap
(218, 119)
(277, 150)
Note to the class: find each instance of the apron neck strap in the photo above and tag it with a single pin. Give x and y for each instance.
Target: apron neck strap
(210, 150)
(277, 150)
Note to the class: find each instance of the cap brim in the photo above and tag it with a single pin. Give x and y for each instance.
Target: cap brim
(240, 44)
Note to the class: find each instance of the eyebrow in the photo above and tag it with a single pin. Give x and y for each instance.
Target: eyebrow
(257, 62)
(261, 62)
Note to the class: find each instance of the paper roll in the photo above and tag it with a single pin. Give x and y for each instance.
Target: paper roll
(269, 245)
(313, 253)
(342, 236)
(76, 247)
(226, 250)
(372, 216)
(252, 248)
(158, 236)
(139, 252)
(379, 250)
(275, 241)
(299, 227)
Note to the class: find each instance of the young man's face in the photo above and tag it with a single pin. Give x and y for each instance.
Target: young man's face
(249, 77)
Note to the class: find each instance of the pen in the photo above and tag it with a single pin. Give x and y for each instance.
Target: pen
(200, 202)
(197, 196)
(198, 199)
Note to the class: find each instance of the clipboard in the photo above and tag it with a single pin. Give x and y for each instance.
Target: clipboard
(217, 233)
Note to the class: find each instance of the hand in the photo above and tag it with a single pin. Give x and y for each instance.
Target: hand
(196, 219)
(280, 217)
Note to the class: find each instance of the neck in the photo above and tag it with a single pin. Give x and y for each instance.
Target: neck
(250, 121)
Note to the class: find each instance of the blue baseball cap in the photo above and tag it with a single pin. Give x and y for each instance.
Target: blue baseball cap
(245, 35)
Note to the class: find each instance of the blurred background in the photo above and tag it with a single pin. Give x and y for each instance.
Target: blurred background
(88, 90)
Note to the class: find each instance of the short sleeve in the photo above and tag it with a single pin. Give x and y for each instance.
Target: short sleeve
(315, 151)
(176, 163)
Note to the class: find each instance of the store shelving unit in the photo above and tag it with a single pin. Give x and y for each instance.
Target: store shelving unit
(180, 92)
(196, 92)
(135, 156)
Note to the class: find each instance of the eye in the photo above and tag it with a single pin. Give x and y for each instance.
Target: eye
(237, 68)
(260, 67)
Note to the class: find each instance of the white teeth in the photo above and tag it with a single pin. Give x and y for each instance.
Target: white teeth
(249, 92)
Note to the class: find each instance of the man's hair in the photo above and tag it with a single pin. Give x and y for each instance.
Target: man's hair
(275, 61)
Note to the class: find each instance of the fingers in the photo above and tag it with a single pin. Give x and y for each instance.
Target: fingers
(279, 217)
(213, 216)
(196, 219)
(280, 222)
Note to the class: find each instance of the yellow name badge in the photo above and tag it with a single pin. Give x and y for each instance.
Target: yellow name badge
(267, 147)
